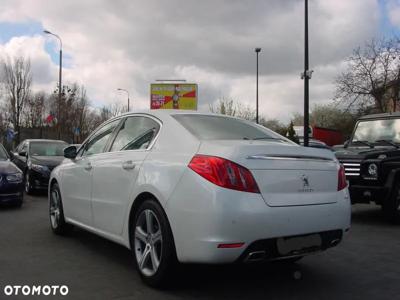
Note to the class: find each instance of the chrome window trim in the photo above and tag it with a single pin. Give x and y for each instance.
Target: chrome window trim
(123, 117)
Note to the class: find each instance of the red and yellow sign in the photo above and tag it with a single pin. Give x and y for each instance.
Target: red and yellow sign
(173, 96)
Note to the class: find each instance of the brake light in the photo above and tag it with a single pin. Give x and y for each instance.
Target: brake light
(342, 183)
(224, 173)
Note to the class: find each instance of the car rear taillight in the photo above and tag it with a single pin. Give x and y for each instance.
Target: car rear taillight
(224, 173)
(342, 183)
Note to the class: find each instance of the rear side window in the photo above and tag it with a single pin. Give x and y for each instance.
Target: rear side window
(135, 133)
(207, 127)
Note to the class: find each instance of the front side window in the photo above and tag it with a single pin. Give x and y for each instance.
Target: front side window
(47, 148)
(98, 141)
(3, 153)
(135, 133)
(23, 147)
(18, 148)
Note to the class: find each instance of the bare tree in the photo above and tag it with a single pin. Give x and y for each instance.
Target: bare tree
(274, 125)
(372, 77)
(34, 110)
(227, 106)
(17, 78)
(115, 109)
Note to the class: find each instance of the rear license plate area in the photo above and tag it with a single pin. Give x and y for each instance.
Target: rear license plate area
(298, 245)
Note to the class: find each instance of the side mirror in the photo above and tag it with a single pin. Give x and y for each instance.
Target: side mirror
(70, 152)
(346, 143)
(22, 153)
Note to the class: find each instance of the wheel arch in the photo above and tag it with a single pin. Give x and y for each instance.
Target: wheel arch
(53, 181)
(139, 200)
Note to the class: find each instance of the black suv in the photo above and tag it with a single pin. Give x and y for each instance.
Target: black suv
(371, 159)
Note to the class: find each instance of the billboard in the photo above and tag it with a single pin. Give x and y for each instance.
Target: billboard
(173, 96)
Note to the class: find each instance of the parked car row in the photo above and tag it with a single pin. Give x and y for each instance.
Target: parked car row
(185, 187)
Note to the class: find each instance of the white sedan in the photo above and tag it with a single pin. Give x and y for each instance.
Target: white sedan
(180, 186)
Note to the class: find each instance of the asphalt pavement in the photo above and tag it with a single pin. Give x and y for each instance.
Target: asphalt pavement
(365, 266)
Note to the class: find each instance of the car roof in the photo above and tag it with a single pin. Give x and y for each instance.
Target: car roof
(381, 116)
(43, 140)
(166, 112)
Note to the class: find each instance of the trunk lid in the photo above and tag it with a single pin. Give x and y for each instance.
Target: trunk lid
(286, 174)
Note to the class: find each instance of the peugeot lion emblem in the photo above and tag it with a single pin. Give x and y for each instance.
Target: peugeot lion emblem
(305, 181)
(306, 184)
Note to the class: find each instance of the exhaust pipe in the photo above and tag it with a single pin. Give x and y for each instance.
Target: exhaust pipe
(335, 242)
(255, 256)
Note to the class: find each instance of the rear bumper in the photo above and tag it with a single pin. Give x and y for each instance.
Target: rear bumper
(267, 249)
(367, 194)
(203, 218)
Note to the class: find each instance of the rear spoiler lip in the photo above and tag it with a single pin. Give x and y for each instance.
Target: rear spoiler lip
(289, 157)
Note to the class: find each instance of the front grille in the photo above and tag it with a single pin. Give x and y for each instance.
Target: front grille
(352, 169)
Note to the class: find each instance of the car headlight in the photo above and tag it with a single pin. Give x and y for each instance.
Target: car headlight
(39, 168)
(17, 177)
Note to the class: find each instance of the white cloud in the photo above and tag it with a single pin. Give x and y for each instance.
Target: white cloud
(393, 8)
(44, 72)
(129, 44)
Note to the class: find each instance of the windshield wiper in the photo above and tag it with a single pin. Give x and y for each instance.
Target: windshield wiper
(389, 142)
(364, 142)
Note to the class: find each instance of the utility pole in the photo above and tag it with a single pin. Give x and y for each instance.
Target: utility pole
(257, 50)
(59, 82)
(127, 92)
(306, 76)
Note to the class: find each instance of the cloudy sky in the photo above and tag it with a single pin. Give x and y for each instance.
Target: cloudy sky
(129, 44)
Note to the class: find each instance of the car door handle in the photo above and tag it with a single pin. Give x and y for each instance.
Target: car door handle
(128, 165)
(88, 167)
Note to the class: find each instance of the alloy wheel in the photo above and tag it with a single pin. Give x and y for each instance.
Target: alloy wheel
(55, 208)
(148, 242)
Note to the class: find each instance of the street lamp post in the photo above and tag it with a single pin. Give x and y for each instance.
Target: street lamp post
(257, 52)
(59, 81)
(306, 75)
(127, 94)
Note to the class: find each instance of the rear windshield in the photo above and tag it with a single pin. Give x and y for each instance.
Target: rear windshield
(47, 148)
(208, 127)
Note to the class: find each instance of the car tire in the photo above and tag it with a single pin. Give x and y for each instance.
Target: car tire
(153, 245)
(28, 186)
(391, 204)
(56, 212)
